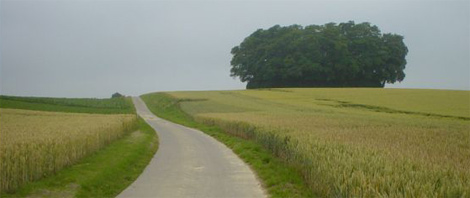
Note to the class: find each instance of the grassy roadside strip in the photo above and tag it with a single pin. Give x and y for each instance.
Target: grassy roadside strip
(279, 179)
(103, 174)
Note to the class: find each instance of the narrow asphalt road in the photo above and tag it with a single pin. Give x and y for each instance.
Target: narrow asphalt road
(189, 163)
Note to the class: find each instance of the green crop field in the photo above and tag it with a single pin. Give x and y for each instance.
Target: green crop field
(77, 105)
(352, 142)
(41, 136)
(35, 144)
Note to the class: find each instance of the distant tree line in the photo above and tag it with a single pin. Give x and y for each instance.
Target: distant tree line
(117, 95)
(330, 55)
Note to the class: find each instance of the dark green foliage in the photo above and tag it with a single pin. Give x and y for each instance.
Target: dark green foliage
(117, 95)
(330, 55)
(76, 105)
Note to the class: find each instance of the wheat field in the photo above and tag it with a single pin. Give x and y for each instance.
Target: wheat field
(34, 144)
(353, 142)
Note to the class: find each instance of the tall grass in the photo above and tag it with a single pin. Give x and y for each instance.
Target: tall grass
(35, 144)
(409, 150)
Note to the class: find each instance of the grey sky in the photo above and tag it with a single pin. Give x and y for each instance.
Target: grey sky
(94, 48)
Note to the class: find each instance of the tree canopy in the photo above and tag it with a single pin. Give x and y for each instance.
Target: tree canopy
(117, 95)
(330, 55)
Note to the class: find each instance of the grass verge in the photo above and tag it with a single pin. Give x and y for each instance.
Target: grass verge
(279, 179)
(103, 174)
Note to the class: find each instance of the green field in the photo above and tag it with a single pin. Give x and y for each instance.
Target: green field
(58, 147)
(352, 142)
(103, 174)
(76, 105)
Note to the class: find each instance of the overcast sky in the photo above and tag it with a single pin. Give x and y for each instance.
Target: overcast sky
(95, 48)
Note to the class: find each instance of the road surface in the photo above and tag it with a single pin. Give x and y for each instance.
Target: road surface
(189, 163)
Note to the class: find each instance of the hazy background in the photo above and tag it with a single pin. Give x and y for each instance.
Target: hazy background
(95, 48)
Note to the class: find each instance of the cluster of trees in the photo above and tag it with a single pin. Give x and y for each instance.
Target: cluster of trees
(117, 95)
(330, 55)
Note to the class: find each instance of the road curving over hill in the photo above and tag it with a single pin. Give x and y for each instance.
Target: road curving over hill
(190, 163)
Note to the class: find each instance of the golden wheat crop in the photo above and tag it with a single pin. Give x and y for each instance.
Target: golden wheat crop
(35, 144)
(354, 142)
